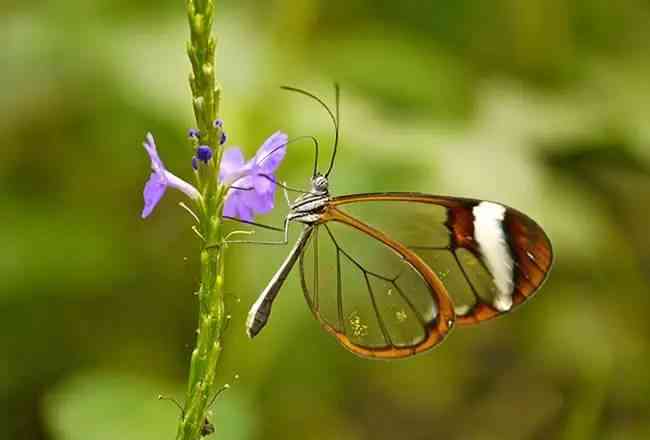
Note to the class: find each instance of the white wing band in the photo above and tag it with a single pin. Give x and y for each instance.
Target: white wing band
(495, 252)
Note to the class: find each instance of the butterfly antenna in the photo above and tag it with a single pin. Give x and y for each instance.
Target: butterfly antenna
(282, 185)
(290, 141)
(331, 115)
(315, 141)
(337, 97)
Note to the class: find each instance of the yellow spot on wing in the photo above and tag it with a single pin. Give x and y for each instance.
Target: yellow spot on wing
(359, 329)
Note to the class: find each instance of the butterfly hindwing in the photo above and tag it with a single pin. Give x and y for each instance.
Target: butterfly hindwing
(374, 295)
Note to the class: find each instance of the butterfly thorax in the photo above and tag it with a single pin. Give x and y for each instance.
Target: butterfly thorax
(308, 208)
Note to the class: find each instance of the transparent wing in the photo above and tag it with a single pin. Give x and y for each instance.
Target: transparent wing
(376, 297)
(489, 257)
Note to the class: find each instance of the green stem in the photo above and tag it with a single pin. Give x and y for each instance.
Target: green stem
(203, 366)
(212, 317)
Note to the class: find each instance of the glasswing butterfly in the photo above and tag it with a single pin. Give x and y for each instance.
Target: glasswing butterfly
(389, 274)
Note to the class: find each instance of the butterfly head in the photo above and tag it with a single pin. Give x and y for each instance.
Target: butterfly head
(319, 184)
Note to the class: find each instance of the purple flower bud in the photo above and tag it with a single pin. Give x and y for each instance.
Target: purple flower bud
(223, 138)
(218, 123)
(195, 163)
(193, 133)
(204, 153)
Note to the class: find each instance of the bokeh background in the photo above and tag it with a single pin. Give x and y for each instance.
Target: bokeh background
(543, 105)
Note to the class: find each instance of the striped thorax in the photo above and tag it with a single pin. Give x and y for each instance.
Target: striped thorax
(308, 208)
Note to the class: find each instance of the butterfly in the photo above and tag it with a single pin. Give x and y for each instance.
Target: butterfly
(390, 274)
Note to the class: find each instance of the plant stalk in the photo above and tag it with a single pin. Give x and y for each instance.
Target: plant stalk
(212, 317)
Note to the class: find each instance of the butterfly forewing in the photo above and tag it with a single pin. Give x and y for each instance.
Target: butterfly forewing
(489, 257)
(369, 295)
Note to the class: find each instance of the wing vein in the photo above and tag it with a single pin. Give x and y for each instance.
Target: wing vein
(462, 270)
(522, 273)
(354, 261)
(339, 289)
(380, 321)
(415, 311)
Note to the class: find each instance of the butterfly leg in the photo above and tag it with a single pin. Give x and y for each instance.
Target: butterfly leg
(286, 194)
(259, 225)
(282, 242)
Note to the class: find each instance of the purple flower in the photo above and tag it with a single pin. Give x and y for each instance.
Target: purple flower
(160, 179)
(254, 177)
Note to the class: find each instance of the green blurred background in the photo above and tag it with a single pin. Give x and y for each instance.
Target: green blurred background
(543, 105)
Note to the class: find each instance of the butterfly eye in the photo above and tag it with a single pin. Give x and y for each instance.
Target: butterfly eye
(320, 183)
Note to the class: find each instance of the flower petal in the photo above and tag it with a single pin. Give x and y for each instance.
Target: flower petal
(230, 206)
(154, 189)
(260, 196)
(245, 204)
(236, 206)
(245, 213)
(232, 163)
(252, 200)
(160, 178)
(187, 188)
(150, 145)
(260, 203)
(271, 153)
(264, 184)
